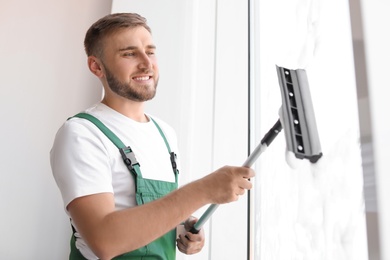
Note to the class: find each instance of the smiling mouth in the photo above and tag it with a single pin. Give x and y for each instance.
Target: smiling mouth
(143, 78)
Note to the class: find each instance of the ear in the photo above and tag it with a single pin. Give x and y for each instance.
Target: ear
(95, 66)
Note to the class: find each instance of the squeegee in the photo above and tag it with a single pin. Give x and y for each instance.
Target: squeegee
(297, 119)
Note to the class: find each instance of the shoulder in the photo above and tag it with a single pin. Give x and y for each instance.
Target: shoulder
(79, 127)
(78, 134)
(76, 128)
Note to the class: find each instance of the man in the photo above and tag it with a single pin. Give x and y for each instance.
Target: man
(130, 211)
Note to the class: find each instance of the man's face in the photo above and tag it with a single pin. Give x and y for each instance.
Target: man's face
(130, 64)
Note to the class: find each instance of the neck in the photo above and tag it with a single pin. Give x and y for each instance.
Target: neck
(128, 108)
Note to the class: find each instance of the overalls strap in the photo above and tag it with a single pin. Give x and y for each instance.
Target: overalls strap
(172, 154)
(126, 152)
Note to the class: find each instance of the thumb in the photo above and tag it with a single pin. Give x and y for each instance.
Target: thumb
(190, 222)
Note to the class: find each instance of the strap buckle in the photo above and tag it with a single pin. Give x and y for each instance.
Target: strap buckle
(173, 161)
(128, 157)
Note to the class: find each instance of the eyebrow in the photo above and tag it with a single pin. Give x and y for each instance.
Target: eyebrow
(130, 48)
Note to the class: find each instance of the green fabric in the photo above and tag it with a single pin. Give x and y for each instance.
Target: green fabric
(74, 252)
(163, 248)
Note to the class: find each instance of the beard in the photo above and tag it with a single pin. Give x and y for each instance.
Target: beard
(128, 90)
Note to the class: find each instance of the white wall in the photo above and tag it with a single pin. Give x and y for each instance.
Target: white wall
(44, 80)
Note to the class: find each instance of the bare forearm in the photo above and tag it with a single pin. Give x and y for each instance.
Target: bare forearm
(126, 230)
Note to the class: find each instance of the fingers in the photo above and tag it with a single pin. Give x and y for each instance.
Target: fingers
(245, 184)
(190, 222)
(241, 191)
(246, 172)
(227, 184)
(243, 175)
(193, 237)
(189, 243)
(183, 247)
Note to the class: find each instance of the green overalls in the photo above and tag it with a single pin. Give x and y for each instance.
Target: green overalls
(163, 248)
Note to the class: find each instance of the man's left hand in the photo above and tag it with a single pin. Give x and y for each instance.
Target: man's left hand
(189, 243)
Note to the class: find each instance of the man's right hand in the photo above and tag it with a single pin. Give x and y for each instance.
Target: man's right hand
(227, 183)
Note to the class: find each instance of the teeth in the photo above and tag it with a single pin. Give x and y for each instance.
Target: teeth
(142, 78)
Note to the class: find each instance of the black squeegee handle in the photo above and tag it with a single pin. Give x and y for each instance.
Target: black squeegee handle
(265, 142)
(272, 133)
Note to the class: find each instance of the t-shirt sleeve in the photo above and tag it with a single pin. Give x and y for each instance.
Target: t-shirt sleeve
(80, 161)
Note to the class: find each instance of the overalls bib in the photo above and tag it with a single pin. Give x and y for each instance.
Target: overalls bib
(163, 248)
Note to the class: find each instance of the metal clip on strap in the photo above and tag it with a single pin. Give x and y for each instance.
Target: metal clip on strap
(173, 161)
(128, 157)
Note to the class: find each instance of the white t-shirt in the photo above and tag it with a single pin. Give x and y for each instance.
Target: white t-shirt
(85, 162)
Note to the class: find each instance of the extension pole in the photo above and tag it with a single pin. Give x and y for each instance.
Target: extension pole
(265, 142)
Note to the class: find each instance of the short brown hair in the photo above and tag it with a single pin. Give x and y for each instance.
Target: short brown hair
(107, 25)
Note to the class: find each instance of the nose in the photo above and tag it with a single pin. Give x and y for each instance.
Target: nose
(145, 62)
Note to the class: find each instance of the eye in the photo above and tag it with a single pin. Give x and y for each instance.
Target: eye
(150, 53)
(128, 54)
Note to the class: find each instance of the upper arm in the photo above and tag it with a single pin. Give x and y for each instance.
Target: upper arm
(88, 214)
(80, 161)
